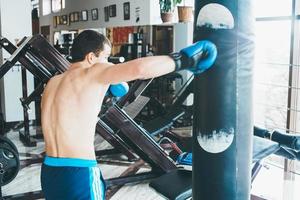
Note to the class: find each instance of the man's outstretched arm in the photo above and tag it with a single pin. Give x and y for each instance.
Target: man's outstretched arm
(196, 58)
(141, 68)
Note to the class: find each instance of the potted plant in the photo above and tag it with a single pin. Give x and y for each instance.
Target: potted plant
(185, 13)
(167, 10)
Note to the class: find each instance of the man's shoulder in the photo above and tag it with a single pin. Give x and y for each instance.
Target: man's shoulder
(100, 66)
(95, 72)
(56, 78)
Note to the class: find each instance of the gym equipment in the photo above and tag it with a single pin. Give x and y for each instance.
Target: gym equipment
(174, 112)
(185, 158)
(116, 60)
(289, 143)
(41, 67)
(222, 123)
(136, 49)
(9, 161)
(191, 57)
(140, 141)
(263, 146)
(175, 185)
(161, 92)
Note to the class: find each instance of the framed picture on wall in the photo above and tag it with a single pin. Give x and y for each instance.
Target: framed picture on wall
(61, 20)
(126, 10)
(71, 17)
(54, 21)
(106, 13)
(94, 14)
(57, 20)
(65, 20)
(76, 16)
(113, 10)
(84, 15)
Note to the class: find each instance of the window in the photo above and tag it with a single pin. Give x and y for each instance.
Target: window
(58, 5)
(273, 8)
(63, 4)
(277, 81)
(46, 7)
(271, 73)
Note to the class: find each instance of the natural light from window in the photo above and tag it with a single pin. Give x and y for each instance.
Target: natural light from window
(46, 4)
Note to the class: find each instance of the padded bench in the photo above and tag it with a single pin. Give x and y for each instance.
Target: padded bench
(177, 185)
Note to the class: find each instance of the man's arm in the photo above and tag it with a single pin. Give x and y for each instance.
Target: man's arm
(142, 68)
(197, 58)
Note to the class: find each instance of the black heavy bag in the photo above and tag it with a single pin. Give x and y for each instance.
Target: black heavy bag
(222, 127)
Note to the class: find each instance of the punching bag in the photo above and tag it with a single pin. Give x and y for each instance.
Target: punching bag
(223, 125)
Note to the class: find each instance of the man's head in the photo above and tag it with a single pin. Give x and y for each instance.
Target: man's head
(90, 46)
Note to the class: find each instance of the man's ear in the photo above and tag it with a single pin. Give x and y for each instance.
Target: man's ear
(90, 58)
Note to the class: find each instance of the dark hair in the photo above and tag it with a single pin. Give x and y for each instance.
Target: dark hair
(88, 41)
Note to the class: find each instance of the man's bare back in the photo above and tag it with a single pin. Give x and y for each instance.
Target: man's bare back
(71, 102)
(70, 105)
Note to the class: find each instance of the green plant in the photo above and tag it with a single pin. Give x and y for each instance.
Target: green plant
(178, 1)
(168, 5)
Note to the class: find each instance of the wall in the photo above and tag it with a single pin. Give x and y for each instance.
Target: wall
(15, 23)
(147, 12)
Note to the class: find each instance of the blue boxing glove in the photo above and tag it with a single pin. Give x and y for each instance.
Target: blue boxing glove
(118, 90)
(197, 58)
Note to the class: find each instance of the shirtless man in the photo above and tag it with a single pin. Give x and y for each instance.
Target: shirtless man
(71, 102)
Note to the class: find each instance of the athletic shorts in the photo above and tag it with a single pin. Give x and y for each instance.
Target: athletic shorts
(71, 179)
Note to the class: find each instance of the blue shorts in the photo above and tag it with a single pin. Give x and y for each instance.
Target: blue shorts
(71, 178)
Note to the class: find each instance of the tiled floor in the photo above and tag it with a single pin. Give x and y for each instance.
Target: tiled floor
(268, 184)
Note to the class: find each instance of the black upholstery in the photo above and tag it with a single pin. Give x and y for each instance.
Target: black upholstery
(177, 185)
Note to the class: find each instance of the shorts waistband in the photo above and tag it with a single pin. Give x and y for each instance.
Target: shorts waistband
(69, 162)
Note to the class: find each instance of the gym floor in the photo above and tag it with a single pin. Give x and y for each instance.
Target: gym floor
(28, 178)
(268, 184)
